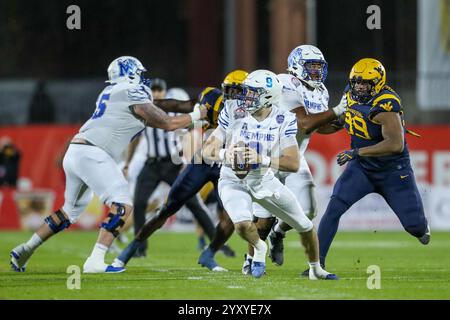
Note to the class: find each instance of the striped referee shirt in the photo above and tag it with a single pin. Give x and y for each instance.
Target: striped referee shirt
(158, 143)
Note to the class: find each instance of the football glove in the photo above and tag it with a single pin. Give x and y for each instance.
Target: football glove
(348, 155)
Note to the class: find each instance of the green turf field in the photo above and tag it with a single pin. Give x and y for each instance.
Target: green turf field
(408, 270)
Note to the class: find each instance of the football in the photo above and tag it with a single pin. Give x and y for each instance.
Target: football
(241, 167)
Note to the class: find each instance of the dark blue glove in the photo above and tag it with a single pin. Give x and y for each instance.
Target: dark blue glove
(347, 155)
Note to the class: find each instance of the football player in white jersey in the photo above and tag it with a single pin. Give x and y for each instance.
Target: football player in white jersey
(255, 129)
(304, 94)
(124, 108)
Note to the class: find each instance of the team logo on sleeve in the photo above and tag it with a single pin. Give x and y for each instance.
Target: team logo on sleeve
(239, 113)
(280, 119)
(386, 106)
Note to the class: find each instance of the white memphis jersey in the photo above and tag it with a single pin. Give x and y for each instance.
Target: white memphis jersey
(113, 126)
(269, 136)
(296, 94)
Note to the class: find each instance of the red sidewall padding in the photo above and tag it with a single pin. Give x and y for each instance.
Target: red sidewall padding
(42, 146)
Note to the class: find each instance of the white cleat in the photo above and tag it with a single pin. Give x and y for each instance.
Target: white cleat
(321, 274)
(219, 269)
(93, 266)
(247, 266)
(19, 257)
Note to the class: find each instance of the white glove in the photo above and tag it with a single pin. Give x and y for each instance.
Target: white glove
(196, 113)
(341, 107)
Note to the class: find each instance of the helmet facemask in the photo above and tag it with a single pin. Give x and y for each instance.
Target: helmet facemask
(362, 91)
(250, 99)
(232, 91)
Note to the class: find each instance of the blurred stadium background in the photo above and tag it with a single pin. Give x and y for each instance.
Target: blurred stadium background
(50, 78)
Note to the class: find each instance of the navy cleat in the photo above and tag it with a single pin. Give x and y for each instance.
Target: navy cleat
(305, 273)
(425, 239)
(247, 266)
(276, 247)
(227, 251)
(258, 269)
(207, 260)
(331, 276)
(19, 257)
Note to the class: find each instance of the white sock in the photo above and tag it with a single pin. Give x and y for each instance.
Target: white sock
(316, 267)
(278, 229)
(99, 252)
(34, 242)
(260, 251)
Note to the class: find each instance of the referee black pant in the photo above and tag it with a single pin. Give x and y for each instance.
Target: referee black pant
(154, 172)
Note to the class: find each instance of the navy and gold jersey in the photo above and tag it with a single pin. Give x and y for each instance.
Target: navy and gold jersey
(364, 131)
(213, 100)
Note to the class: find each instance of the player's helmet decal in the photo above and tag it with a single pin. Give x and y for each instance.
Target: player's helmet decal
(127, 68)
(308, 64)
(262, 88)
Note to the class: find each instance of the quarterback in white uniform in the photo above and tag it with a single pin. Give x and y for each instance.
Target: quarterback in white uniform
(303, 88)
(259, 137)
(124, 108)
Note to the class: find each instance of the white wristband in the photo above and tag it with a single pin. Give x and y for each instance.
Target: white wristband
(222, 153)
(265, 161)
(196, 114)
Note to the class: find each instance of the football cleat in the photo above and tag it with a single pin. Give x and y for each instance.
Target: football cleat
(118, 263)
(93, 266)
(112, 269)
(321, 274)
(258, 269)
(425, 239)
(206, 260)
(247, 266)
(227, 251)
(19, 257)
(305, 273)
(276, 247)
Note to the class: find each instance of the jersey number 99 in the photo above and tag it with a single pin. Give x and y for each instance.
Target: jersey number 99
(356, 126)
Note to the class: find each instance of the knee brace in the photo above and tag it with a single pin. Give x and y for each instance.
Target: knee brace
(57, 227)
(115, 221)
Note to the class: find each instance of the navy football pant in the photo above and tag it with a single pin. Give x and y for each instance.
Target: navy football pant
(396, 185)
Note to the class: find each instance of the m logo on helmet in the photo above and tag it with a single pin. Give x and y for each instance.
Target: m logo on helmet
(127, 67)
